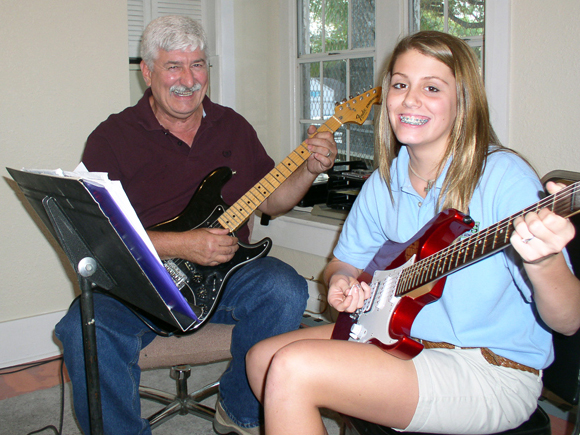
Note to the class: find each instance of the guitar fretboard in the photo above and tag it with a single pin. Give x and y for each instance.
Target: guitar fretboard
(565, 203)
(356, 110)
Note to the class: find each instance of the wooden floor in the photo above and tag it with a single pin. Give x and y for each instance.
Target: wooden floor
(47, 374)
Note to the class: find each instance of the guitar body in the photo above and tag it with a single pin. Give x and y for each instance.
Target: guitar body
(202, 286)
(387, 318)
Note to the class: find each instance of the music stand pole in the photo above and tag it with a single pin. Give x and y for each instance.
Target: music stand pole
(86, 268)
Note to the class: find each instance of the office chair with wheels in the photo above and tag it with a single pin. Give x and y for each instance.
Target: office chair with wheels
(178, 353)
(562, 378)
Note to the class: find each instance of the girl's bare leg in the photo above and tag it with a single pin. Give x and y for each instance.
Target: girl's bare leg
(308, 371)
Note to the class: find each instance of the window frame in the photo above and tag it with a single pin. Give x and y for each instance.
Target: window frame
(392, 13)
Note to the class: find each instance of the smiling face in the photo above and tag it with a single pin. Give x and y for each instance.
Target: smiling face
(179, 82)
(422, 102)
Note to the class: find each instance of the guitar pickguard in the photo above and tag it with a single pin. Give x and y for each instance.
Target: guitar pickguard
(371, 322)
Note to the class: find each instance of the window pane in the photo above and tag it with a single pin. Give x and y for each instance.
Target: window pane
(311, 91)
(336, 25)
(361, 75)
(334, 89)
(462, 18)
(432, 15)
(340, 139)
(466, 17)
(363, 23)
(310, 27)
(362, 143)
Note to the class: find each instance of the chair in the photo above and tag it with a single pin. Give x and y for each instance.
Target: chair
(561, 379)
(209, 345)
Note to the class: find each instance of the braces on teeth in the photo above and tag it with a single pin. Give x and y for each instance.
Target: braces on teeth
(413, 121)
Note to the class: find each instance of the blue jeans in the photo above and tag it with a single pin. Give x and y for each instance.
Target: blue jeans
(264, 298)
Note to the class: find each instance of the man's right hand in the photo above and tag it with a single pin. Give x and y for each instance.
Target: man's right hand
(203, 246)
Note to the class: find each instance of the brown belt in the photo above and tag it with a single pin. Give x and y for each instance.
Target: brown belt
(489, 356)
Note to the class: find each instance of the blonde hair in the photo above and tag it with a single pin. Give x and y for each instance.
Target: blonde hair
(471, 134)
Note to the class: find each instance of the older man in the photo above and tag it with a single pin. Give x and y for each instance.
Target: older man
(161, 149)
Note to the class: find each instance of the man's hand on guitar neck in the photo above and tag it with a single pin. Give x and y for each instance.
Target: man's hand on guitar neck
(323, 149)
(203, 246)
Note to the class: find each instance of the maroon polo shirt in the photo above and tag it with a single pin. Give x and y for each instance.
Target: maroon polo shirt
(160, 173)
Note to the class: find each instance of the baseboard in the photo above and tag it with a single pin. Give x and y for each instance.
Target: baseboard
(29, 339)
(32, 338)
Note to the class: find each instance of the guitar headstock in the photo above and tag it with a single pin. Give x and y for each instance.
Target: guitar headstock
(357, 109)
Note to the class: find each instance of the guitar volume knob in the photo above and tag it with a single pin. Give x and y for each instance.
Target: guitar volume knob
(357, 331)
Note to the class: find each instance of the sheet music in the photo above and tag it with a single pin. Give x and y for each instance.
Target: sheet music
(115, 189)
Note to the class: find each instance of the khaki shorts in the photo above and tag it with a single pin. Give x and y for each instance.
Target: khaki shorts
(460, 392)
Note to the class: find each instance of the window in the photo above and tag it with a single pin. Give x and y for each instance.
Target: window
(336, 59)
(462, 18)
(141, 12)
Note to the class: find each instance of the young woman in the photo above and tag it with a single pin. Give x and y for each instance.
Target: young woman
(437, 150)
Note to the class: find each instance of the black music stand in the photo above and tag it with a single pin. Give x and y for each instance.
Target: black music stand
(107, 253)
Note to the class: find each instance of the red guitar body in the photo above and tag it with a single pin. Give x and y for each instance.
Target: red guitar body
(388, 325)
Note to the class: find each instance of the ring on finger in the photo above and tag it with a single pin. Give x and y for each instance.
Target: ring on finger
(328, 154)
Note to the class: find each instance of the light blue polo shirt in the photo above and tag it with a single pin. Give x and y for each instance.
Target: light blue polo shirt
(487, 304)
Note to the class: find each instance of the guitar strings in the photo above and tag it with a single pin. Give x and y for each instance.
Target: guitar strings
(414, 276)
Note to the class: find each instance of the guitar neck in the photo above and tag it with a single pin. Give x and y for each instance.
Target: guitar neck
(235, 216)
(564, 203)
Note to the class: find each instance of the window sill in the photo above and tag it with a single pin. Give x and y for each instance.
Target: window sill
(301, 231)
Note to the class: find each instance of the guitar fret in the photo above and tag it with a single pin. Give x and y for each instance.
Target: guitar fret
(442, 266)
(302, 149)
(241, 209)
(479, 245)
(283, 170)
(231, 218)
(402, 285)
(266, 187)
(416, 276)
(249, 202)
(335, 122)
(273, 181)
(290, 164)
(259, 192)
(253, 199)
(297, 158)
(280, 173)
(427, 274)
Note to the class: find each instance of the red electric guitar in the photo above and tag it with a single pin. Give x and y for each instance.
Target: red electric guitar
(407, 276)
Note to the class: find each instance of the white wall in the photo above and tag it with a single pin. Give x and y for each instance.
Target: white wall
(64, 70)
(545, 83)
(259, 44)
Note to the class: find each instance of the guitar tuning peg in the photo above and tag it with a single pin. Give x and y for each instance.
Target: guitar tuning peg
(350, 97)
(336, 103)
(344, 100)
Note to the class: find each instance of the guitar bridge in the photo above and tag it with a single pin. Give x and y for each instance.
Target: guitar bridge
(177, 275)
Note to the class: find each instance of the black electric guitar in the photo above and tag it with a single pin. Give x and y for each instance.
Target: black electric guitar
(409, 275)
(202, 285)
